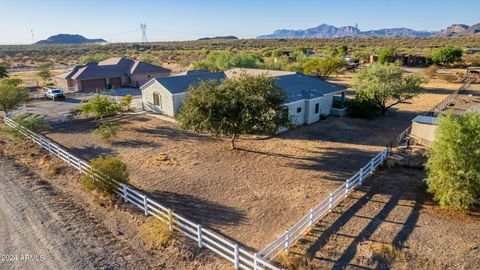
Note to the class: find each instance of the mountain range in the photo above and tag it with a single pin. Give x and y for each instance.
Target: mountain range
(69, 39)
(330, 31)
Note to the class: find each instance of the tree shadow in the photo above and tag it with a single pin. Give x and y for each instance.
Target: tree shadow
(135, 144)
(409, 187)
(198, 210)
(89, 152)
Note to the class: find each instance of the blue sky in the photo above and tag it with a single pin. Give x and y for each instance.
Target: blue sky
(186, 20)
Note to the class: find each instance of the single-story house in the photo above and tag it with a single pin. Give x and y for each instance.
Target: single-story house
(307, 97)
(111, 73)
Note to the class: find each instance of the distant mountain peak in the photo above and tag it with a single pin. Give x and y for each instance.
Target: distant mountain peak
(218, 38)
(330, 31)
(69, 39)
(461, 30)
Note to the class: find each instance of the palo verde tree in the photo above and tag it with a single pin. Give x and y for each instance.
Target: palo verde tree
(247, 104)
(453, 165)
(446, 55)
(324, 67)
(11, 96)
(386, 85)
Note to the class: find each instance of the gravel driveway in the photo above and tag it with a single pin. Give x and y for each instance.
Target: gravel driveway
(37, 221)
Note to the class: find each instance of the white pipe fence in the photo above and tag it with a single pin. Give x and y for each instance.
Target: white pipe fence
(231, 251)
(287, 239)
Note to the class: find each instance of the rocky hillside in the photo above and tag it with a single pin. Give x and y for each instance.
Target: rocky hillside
(461, 30)
(69, 39)
(330, 31)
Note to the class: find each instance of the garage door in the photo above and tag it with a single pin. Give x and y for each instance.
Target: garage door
(116, 82)
(94, 84)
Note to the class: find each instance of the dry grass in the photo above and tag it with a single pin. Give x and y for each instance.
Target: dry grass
(386, 254)
(156, 234)
(292, 261)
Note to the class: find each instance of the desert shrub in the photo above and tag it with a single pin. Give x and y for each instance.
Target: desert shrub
(125, 103)
(386, 254)
(362, 108)
(453, 165)
(156, 234)
(109, 168)
(74, 114)
(100, 106)
(32, 123)
(431, 71)
(105, 131)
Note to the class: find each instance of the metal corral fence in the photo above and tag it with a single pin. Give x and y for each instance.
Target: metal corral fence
(233, 252)
(287, 239)
(403, 136)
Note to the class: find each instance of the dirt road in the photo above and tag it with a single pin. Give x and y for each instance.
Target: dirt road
(41, 228)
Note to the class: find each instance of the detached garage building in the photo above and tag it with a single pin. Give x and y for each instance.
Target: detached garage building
(111, 73)
(308, 97)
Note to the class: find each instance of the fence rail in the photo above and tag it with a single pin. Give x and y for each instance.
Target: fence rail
(402, 137)
(287, 239)
(231, 251)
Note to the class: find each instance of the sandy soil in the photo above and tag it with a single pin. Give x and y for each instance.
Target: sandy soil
(45, 212)
(392, 223)
(30, 77)
(255, 193)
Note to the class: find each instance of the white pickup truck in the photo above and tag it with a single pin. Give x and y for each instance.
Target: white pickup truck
(54, 94)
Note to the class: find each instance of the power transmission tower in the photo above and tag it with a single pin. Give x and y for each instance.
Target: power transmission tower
(33, 37)
(143, 27)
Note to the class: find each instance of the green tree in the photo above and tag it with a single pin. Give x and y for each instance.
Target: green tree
(386, 85)
(446, 55)
(342, 49)
(93, 58)
(324, 67)
(453, 165)
(11, 96)
(246, 104)
(3, 72)
(386, 55)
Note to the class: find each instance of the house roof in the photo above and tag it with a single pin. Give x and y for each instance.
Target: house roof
(298, 86)
(112, 67)
(422, 119)
(180, 84)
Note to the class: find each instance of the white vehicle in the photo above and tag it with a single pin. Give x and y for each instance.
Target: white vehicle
(54, 94)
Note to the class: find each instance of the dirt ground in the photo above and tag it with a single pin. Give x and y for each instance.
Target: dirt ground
(46, 212)
(255, 193)
(392, 223)
(30, 77)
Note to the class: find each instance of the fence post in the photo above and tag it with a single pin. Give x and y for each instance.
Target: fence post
(255, 255)
(199, 232)
(125, 192)
(330, 202)
(145, 205)
(311, 218)
(235, 253)
(361, 177)
(347, 186)
(287, 240)
(170, 219)
(68, 158)
(49, 147)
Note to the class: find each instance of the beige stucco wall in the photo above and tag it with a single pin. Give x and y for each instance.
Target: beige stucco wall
(423, 131)
(143, 78)
(166, 100)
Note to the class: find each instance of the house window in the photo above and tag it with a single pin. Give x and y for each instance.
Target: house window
(317, 108)
(299, 109)
(156, 100)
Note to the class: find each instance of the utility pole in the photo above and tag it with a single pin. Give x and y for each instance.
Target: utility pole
(143, 27)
